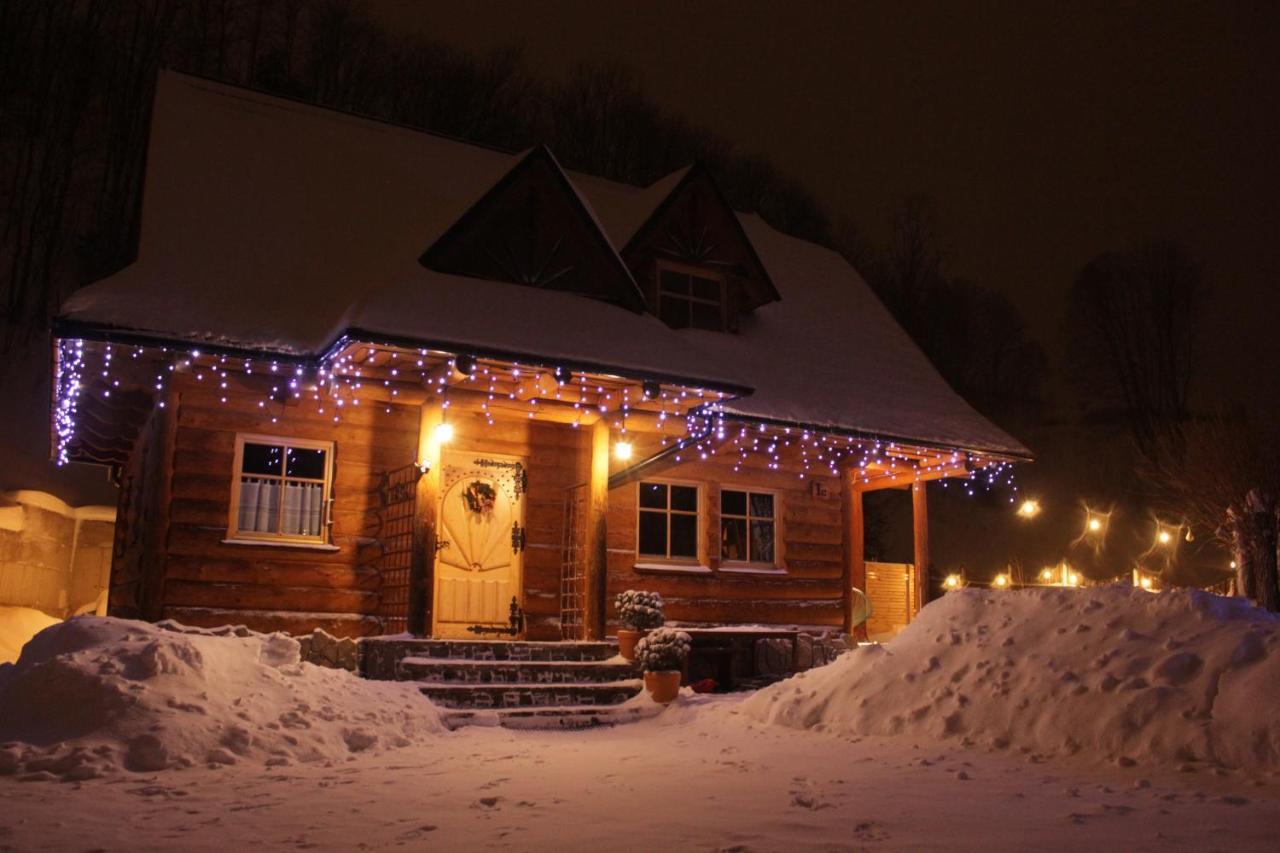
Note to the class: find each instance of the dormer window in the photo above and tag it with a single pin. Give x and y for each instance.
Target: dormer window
(691, 299)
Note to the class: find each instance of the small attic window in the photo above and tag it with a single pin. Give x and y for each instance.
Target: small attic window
(690, 298)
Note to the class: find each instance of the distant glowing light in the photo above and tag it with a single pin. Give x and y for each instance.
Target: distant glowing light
(444, 433)
(1001, 581)
(1095, 524)
(1164, 537)
(1030, 508)
(952, 582)
(622, 450)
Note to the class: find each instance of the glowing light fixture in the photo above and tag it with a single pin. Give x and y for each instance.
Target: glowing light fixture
(1001, 581)
(1030, 508)
(1164, 537)
(444, 433)
(622, 450)
(1095, 524)
(952, 581)
(1046, 574)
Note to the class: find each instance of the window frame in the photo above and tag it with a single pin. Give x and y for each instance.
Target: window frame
(662, 265)
(256, 537)
(764, 566)
(694, 563)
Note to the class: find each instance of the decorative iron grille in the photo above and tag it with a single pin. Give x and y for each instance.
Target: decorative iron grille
(573, 575)
(397, 507)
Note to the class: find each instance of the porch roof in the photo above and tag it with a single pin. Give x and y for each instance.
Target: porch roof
(278, 227)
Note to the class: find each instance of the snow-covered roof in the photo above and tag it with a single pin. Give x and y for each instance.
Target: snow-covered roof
(275, 226)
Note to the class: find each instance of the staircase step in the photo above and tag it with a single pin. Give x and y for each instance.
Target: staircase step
(514, 672)
(479, 696)
(379, 656)
(557, 717)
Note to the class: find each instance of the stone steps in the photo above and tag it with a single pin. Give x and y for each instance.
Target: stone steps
(582, 717)
(485, 696)
(514, 672)
(514, 684)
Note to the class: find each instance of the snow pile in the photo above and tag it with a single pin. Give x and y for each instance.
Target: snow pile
(92, 695)
(17, 626)
(1110, 674)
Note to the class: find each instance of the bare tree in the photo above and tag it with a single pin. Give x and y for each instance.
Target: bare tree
(974, 335)
(1223, 474)
(1132, 329)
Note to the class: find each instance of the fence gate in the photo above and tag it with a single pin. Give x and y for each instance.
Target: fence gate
(397, 506)
(573, 575)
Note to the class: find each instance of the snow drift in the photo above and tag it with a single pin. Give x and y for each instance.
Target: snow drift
(1105, 674)
(92, 695)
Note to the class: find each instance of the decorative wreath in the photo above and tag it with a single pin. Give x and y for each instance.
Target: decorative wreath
(480, 497)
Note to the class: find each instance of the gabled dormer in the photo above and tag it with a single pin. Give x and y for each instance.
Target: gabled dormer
(693, 261)
(533, 228)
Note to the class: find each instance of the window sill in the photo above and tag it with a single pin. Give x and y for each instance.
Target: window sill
(754, 570)
(676, 568)
(268, 543)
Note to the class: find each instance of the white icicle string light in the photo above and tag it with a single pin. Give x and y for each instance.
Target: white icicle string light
(338, 381)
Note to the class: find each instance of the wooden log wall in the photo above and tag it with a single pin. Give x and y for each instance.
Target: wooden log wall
(270, 587)
(177, 494)
(809, 543)
(137, 556)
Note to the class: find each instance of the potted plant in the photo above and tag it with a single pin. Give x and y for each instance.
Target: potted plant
(661, 655)
(639, 612)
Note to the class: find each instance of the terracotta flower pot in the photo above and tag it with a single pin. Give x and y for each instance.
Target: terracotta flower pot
(627, 640)
(663, 686)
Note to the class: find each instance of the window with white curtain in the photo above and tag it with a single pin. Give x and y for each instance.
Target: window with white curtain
(281, 489)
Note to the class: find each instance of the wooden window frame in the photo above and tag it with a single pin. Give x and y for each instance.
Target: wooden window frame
(661, 266)
(774, 566)
(667, 562)
(255, 537)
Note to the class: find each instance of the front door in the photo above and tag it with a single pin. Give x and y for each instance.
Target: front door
(480, 543)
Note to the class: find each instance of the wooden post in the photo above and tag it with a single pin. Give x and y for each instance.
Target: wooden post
(855, 548)
(597, 545)
(920, 529)
(426, 500)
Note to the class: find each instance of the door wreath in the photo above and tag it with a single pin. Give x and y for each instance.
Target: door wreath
(480, 497)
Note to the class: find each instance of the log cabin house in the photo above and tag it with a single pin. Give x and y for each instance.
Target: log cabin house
(372, 380)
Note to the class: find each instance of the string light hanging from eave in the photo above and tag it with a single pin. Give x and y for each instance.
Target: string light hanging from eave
(338, 380)
(333, 385)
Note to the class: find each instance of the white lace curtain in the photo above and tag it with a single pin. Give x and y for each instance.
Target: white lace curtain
(260, 507)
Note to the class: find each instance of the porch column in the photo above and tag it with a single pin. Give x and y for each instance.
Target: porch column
(920, 529)
(855, 574)
(426, 500)
(597, 546)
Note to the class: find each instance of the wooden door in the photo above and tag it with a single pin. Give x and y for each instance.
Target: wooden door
(480, 542)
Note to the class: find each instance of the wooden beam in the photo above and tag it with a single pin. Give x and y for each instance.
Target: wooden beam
(597, 554)
(855, 574)
(920, 542)
(427, 498)
(537, 385)
(910, 478)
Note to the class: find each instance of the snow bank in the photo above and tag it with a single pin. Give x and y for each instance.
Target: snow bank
(92, 695)
(1106, 674)
(17, 625)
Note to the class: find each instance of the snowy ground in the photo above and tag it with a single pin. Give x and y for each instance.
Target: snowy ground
(1038, 720)
(705, 780)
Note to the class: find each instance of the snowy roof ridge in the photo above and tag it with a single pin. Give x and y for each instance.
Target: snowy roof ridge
(276, 226)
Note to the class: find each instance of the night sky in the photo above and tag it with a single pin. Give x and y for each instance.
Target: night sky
(1045, 133)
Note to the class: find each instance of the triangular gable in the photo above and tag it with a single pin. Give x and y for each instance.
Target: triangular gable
(534, 228)
(694, 224)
